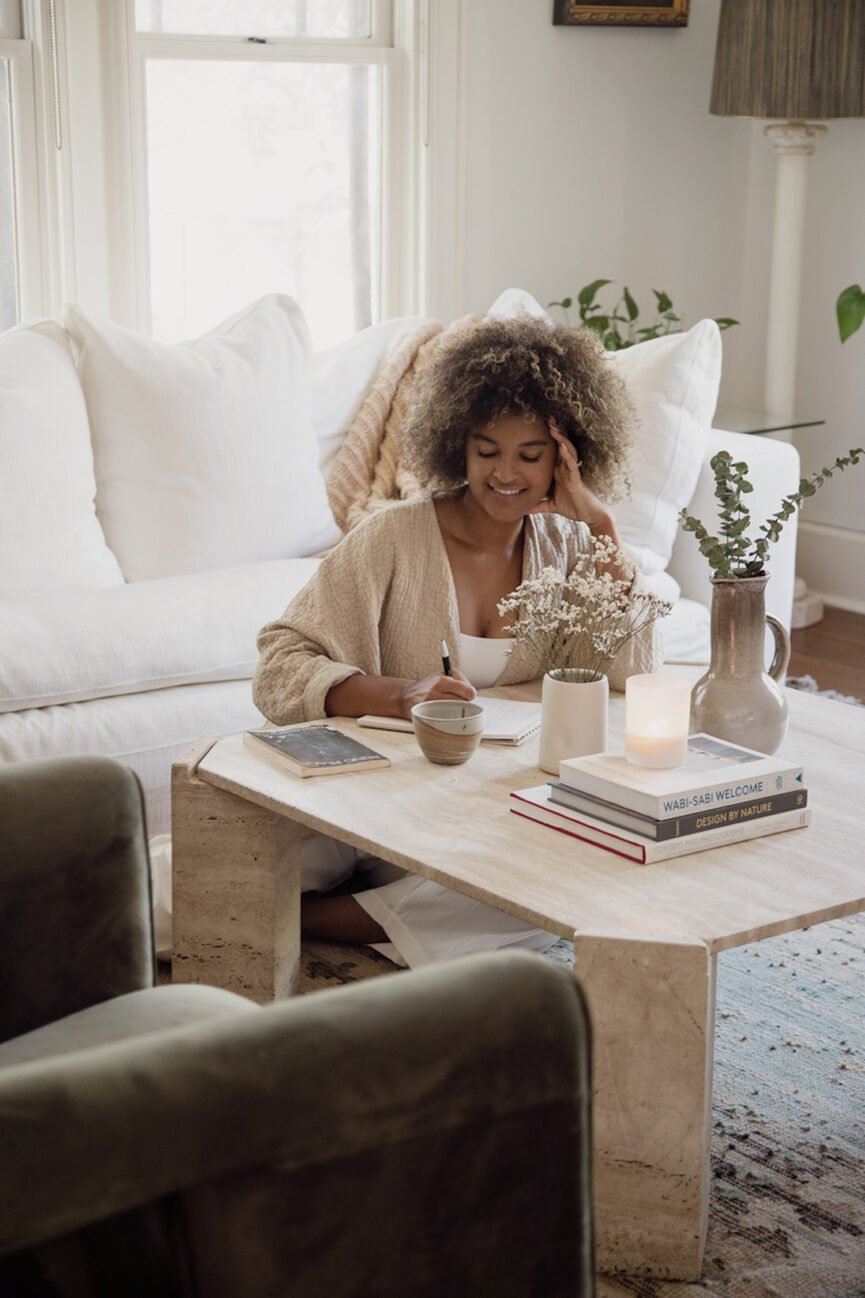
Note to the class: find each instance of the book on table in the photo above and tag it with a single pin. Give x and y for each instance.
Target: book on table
(536, 804)
(506, 721)
(674, 826)
(314, 750)
(714, 774)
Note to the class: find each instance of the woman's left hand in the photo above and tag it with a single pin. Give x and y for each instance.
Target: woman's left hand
(570, 496)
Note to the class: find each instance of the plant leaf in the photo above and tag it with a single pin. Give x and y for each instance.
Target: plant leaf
(665, 303)
(630, 305)
(586, 294)
(725, 322)
(850, 310)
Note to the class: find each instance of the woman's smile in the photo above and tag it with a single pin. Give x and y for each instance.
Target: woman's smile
(510, 463)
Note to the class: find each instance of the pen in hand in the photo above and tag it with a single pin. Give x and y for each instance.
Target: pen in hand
(446, 659)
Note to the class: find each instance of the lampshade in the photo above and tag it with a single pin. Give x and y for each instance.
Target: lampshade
(790, 59)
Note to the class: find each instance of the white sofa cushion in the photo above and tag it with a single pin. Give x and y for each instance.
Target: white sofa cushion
(341, 376)
(204, 451)
(146, 731)
(147, 635)
(685, 633)
(673, 383)
(50, 537)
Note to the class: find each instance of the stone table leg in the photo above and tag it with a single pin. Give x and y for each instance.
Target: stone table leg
(652, 1006)
(235, 889)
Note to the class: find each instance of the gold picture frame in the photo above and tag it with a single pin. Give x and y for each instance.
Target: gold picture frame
(621, 13)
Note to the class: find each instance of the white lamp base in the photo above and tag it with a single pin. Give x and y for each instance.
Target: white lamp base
(793, 142)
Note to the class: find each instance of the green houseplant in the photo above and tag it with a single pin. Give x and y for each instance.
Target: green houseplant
(736, 699)
(618, 326)
(734, 553)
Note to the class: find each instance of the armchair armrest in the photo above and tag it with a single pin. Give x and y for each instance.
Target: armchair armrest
(74, 889)
(423, 1129)
(774, 472)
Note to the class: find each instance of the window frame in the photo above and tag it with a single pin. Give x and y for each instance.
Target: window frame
(397, 46)
(28, 179)
(84, 204)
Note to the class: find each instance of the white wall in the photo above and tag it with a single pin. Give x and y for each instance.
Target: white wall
(591, 152)
(831, 377)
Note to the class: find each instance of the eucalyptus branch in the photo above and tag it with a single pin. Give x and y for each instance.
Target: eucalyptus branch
(733, 553)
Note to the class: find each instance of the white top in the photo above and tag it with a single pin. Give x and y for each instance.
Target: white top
(483, 658)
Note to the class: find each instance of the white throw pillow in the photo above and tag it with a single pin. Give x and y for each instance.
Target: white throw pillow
(204, 451)
(50, 537)
(340, 379)
(673, 383)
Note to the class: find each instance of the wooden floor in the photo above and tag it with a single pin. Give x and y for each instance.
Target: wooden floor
(833, 652)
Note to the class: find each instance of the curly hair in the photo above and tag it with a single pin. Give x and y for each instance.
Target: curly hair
(482, 367)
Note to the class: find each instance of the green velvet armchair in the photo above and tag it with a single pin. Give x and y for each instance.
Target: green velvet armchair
(408, 1137)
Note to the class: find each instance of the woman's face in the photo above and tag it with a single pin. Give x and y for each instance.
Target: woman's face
(509, 466)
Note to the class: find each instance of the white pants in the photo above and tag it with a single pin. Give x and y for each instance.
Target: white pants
(424, 921)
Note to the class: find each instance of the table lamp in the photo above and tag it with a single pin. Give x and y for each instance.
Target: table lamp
(793, 61)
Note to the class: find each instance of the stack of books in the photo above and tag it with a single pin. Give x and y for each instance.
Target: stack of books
(722, 794)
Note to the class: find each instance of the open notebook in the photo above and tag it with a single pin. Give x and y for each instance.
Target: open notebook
(506, 721)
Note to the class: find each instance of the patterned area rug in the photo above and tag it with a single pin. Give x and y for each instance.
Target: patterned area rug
(786, 1217)
(810, 686)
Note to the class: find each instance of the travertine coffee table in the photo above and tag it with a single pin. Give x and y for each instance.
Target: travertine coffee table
(645, 937)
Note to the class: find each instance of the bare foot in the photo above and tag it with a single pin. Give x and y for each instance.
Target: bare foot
(337, 919)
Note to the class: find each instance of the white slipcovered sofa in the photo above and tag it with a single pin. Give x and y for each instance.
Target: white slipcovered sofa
(159, 503)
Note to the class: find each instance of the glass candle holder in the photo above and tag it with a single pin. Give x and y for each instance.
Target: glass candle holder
(657, 712)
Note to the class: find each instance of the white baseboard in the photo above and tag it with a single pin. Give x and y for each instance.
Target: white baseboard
(831, 561)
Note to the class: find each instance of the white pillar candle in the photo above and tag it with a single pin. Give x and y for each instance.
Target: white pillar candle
(657, 711)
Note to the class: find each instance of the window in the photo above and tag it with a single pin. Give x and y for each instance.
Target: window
(8, 240)
(263, 158)
(20, 216)
(164, 162)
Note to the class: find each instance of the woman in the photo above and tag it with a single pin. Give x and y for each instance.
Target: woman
(514, 426)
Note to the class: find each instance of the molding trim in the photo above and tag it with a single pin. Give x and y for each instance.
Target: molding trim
(831, 561)
(444, 279)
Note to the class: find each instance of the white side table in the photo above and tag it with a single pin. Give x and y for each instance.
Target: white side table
(758, 422)
(807, 607)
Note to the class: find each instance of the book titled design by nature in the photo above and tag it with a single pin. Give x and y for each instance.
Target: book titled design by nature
(714, 774)
(694, 822)
(536, 804)
(314, 750)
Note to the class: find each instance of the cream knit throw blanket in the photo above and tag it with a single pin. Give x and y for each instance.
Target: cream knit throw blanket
(367, 474)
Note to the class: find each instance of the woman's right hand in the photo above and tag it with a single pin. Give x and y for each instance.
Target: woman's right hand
(392, 696)
(457, 686)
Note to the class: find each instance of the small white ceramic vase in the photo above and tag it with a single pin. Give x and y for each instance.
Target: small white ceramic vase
(573, 716)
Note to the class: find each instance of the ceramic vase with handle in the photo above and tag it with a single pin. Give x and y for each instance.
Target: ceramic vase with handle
(737, 699)
(573, 716)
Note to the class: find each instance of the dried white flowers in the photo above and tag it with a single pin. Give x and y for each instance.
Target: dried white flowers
(583, 619)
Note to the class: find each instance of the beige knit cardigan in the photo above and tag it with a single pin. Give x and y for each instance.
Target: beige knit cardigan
(384, 598)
